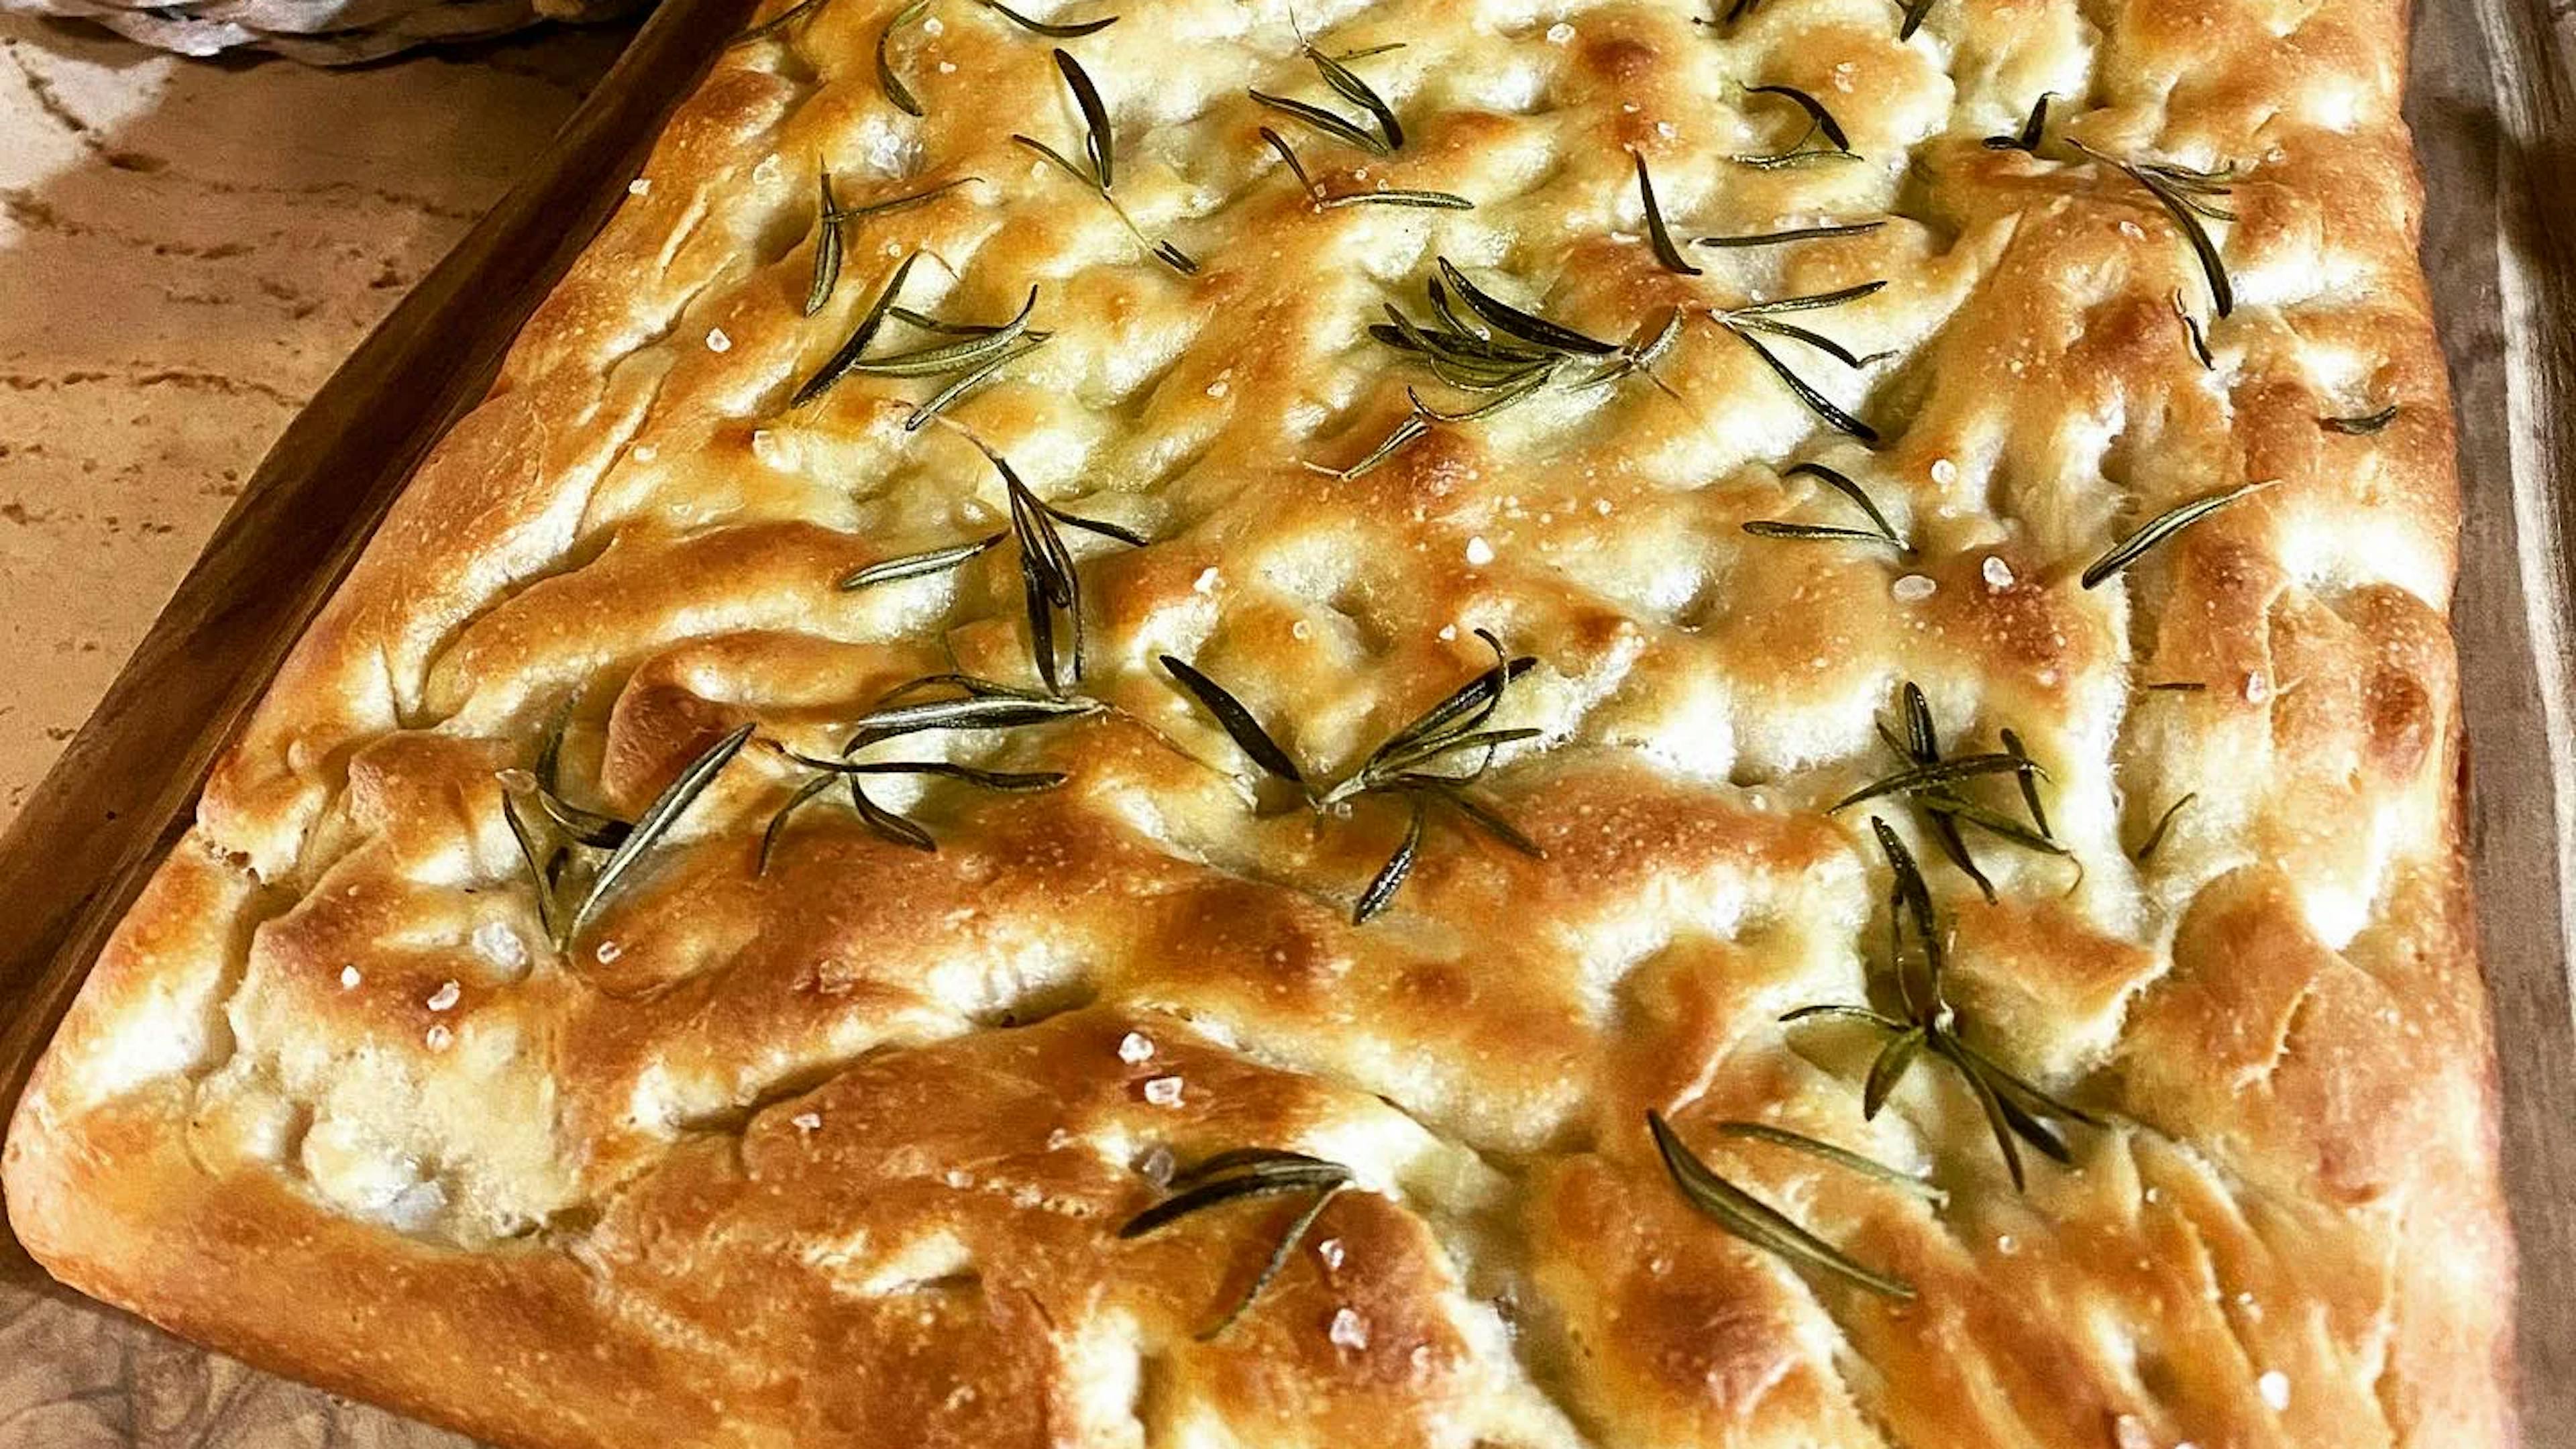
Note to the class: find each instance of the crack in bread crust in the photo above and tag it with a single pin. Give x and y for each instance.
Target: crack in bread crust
(835, 1151)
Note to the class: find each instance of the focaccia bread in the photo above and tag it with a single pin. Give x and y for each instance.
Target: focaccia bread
(1160, 732)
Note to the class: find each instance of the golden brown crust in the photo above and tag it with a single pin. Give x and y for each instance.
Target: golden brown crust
(837, 1151)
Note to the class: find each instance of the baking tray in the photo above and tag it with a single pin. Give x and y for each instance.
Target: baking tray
(2493, 102)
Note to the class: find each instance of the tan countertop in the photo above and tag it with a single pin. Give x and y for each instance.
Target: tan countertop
(187, 249)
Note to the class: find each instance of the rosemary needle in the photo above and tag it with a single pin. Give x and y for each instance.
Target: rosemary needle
(1757, 1222)
(1657, 235)
(657, 822)
(2163, 527)
(1234, 1177)
(2361, 426)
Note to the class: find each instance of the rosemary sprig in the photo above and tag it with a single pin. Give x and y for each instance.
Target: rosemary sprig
(1915, 11)
(2029, 779)
(2033, 130)
(778, 823)
(1879, 531)
(1393, 196)
(1482, 345)
(545, 868)
(1388, 134)
(1051, 31)
(1347, 84)
(559, 834)
(1413, 764)
(2163, 527)
(876, 817)
(1791, 234)
(917, 565)
(1236, 1176)
(1238, 722)
(1931, 783)
(2361, 426)
(1839, 1156)
(1321, 120)
(1939, 773)
(870, 323)
(585, 827)
(1100, 151)
(2164, 822)
(1658, 235)
(2016, 1111)
(2185, 194)
(2179, 686)
(831, 216)
(1763, 317)
(1411, 430)
(1757, 1222)
(887, 81)
(655, 823)
(977, 347)
(827, 248)
(2193, 334)
(979, 705)
(1511, 321)
(599, 832)
(967, 381)
(981, 351)
(1820, 123)
(1049, 581)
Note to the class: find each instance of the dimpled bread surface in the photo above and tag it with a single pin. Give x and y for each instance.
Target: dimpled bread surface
(834, 1146)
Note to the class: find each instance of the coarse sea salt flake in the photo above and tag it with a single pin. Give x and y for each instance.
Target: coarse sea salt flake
(1348, 1330)
(445, 997)
(1135, 1047)
(500, 945)
(1164, 1091)
(1479, 552)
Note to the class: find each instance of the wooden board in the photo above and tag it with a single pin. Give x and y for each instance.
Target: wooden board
(2493, 101)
